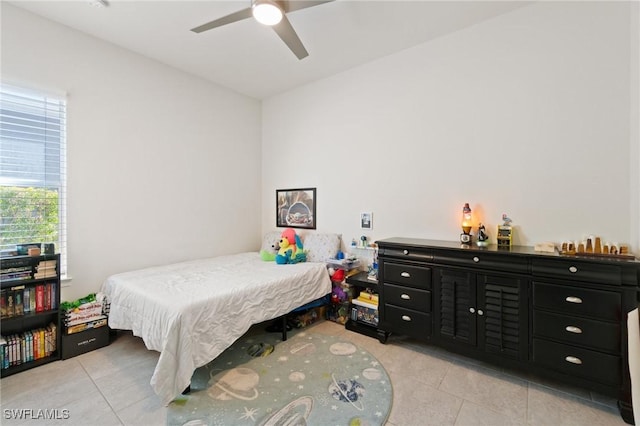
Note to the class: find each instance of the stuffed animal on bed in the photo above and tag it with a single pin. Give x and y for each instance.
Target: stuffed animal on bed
(291, 249)
(270, 255)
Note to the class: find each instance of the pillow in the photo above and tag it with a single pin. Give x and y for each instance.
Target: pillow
(321, 247)
(270, 239)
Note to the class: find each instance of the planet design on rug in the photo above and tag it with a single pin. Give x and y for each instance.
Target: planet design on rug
(294, 413)
(239, 383)
(197, 422)
(303, 348)
(372, 373)
(342, 348)
(347, 390)
(297, 376)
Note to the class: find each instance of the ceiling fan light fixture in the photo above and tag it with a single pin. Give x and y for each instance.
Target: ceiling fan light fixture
(267, 12)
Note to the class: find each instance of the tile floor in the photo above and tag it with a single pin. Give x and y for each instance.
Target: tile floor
(110, 386)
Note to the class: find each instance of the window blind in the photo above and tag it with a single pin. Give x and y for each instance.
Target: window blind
(32, 170)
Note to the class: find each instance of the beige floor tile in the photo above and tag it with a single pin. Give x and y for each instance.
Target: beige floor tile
(21, 384)
(127, 386)
(551, 407)
(417, 404)
(125, 351)
(504, 394)
(89, 409)
(475, 415)
(149, 411)
(61, 391)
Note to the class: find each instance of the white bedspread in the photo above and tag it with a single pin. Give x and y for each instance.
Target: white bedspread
(192, 311)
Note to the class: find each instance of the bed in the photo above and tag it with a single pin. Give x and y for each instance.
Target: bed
(192, 311)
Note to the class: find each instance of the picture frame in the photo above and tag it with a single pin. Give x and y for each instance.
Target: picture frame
(366, 220)
(296, 208)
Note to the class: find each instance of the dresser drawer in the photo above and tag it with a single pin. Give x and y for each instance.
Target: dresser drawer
(408, 322)
(482, 260)
(592, 365)
(410, 275)
(408, 253)
(577, 270)
(406, 297)
(577, 301)
(578, 331)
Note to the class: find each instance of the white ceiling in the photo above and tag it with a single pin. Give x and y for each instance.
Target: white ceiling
(250, 58)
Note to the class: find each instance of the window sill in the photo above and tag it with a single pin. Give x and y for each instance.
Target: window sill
(65, 281)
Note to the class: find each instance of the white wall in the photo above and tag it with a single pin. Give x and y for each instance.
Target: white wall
(162, 166)
(526, 114)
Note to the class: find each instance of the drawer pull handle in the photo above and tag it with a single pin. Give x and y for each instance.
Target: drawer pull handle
(480, 312)
(406, 318)
(406, 251)
(573, 360)
(573, 329)
(406, 275)
(573, 269)
(573, 299)
(476, 259)
(405, 296)
(472, 310)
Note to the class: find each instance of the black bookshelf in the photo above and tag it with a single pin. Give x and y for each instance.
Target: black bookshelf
(18, 277)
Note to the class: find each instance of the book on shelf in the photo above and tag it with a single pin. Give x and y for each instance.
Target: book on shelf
(11, 298)
(3, 303)
(96, 323)
(16, 276)
(365, 304)
(19, 303)
(40, 298)
(47, 273)
(368, 297)
(46, 269)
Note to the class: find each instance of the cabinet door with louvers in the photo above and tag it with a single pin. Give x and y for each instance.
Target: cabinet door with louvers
(502, 315)
(455, 294)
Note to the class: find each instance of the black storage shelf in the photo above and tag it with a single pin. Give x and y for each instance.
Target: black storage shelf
(362, 281)
(19, 324)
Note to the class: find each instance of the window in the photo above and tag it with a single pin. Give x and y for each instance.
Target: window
(32, 170)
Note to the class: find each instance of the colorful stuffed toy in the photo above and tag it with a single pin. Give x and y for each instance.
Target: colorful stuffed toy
(291, 249)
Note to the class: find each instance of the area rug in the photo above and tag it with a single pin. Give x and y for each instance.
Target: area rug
(310, 379)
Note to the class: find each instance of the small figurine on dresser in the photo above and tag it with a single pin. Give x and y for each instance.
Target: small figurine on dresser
(483, 238)
(505, 232)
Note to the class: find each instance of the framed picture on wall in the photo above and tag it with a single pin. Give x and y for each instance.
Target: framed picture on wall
(366, 220)
(296, 208)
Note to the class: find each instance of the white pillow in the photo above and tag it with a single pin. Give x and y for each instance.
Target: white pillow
(321, 247)
(270, 239)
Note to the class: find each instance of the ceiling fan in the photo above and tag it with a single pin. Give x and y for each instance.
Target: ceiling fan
(271, 13)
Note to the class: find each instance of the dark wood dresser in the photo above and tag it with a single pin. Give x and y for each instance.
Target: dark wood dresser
(562, 317)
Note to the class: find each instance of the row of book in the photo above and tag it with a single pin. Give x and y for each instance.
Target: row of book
(21, 300)
(44, 269)
(17, 273)
(16, 349)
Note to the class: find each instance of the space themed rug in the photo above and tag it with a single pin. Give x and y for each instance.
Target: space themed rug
(310, 379)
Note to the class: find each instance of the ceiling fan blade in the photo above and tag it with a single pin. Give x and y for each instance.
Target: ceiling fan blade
(234, 17)
(291, 39)
(292, 5)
